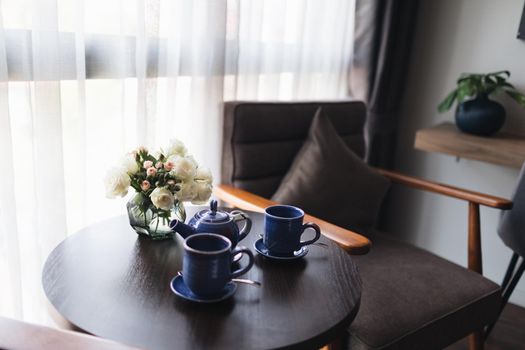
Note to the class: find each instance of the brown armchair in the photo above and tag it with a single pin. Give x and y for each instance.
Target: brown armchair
(411, 298)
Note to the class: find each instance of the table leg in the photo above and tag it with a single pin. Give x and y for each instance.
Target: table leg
(475, 341)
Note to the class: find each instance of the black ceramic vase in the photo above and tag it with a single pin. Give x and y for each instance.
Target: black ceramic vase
(480, 116)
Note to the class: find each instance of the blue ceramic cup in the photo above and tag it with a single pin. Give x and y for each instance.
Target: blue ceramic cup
(283, 228)
(207, 262)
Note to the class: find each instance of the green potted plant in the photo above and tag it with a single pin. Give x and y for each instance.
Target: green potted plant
(476, 113)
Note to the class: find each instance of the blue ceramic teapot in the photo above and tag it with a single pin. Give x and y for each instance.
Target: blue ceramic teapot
(215, 221)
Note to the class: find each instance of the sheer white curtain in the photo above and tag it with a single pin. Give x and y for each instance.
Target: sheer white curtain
(84, 81)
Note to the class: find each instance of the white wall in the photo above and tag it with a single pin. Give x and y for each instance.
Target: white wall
(455, 36)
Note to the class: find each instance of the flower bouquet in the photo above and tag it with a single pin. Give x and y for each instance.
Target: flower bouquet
(162, 182)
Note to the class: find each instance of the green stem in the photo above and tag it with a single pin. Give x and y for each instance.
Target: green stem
(157, 226)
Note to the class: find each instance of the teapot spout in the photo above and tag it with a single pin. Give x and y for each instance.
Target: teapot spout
(182, 229)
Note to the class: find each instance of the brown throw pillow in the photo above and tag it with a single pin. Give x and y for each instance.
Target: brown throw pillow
(330, 181)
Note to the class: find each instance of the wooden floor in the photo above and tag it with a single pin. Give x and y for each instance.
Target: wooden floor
(508, 334)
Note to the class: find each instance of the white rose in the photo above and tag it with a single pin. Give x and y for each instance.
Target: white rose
(184, 168)
(130, 164)
(188, 191)
(162, 198)
(176, 148)
(204, 174)
(203, 191)
(117, 182)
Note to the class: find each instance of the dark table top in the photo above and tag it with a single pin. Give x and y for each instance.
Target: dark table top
(109, 282)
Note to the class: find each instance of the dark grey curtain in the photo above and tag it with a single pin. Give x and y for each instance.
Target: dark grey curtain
(383, 36)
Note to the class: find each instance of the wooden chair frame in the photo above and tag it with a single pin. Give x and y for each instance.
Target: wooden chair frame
(20, 335)
(356, 244)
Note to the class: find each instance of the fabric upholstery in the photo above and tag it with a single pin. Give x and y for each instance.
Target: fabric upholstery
(413, 299)
(261, 139)
(511, 227)
(329, 181)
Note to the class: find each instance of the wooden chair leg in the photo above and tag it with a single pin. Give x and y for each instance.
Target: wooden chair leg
(474, 239)
(475, 341)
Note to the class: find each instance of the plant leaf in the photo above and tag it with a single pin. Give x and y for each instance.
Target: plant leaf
(448, 101)
(467, 89)
(490, 80)
(489, 85)
(469, 77)
(501, 72)
(500, 80)
(518, 97)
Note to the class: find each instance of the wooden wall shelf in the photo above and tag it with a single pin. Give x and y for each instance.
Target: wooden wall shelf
(502, 148)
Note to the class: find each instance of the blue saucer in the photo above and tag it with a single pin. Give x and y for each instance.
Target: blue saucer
(179, 288)
(263, 250)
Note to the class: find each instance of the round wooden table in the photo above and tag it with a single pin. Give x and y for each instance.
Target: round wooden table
(107, 281)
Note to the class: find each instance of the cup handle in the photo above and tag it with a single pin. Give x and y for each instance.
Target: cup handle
(244, 269)
(317, 233)
(241, 216)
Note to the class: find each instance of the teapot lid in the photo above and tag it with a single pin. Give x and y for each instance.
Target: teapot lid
(212, 215)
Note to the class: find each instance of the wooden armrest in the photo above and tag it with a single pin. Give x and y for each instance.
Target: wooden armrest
(455, 192)
(21, 335)
(350, 241)
(474, 199)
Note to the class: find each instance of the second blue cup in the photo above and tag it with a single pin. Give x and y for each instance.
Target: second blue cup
(283, 228)
(207, 262)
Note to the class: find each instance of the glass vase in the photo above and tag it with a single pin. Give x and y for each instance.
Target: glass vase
(149, 221)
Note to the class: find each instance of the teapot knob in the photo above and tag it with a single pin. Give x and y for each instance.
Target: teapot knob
(213, 206)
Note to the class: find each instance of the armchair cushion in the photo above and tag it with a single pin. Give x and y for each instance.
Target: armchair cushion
(331, 182)
(413, 299)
